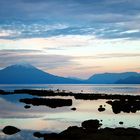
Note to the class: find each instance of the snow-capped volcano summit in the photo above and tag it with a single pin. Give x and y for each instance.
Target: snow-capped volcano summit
(23, 64)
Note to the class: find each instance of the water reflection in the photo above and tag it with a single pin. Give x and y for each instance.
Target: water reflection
(24, 135)
(43, 118)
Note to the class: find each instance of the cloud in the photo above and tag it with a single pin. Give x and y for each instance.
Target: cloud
(62, 41)
(71, 45)
(22, 30)
(119, 55)
(130, 31)
(72, 8)
(79, 65)
(32, 18)
(17, 30)
(34, 57)
(108, 56)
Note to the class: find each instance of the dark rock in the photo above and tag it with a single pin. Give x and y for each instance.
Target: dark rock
(27, 106)
(83, 96)
(38, 135)
(121, 123)
(125, 105)
(53, 103)
(72, 131)
(52, 136)
(73, 108)
(85, 133)
(10, 130)
(91, 124)
(2, 91)
(101, 108)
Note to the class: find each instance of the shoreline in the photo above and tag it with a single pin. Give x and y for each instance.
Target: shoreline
(84, 96)
(90, 130)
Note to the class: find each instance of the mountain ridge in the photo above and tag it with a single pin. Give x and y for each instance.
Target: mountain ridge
(20, 74)
(110, 78)
(28, 74)
(129, 80)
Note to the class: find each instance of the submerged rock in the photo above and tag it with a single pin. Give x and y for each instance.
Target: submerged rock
(27, 106)
(73, 108)
(101, 108)
(10, 130)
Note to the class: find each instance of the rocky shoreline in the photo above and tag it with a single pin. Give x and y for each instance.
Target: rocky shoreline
(63, 93)
(90, 130)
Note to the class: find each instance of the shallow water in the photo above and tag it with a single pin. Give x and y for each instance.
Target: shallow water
(42, 118)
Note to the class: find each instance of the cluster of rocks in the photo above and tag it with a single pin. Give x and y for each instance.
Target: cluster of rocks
(125, 105)
(90, 130)
(53, 103)
(83, 96)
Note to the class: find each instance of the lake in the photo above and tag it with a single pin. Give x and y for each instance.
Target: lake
(45, 119)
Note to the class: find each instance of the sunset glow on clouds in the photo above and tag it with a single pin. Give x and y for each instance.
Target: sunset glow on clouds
(73, 38)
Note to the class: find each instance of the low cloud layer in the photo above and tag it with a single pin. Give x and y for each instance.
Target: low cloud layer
(34, 57)
(66, 65)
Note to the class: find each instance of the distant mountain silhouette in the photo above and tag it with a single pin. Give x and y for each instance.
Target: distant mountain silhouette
(110, 78)
(129, 80)
(28, 74)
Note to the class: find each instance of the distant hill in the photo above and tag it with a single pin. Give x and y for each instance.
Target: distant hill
(130, 80)
(110, 78)
(28, 74)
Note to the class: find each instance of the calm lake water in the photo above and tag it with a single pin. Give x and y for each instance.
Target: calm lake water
(45, 119)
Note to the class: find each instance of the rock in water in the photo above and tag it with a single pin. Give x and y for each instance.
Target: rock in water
(91, 124)
(101, 108)
(38, 135)
(27, 106)
(73, 108)
(121, 123)
(10, 130)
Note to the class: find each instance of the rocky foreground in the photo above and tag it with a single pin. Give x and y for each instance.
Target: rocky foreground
(90, 130)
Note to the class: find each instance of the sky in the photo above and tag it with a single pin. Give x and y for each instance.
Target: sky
(71, 38)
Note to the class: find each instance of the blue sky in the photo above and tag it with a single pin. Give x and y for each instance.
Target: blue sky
(71, 37)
